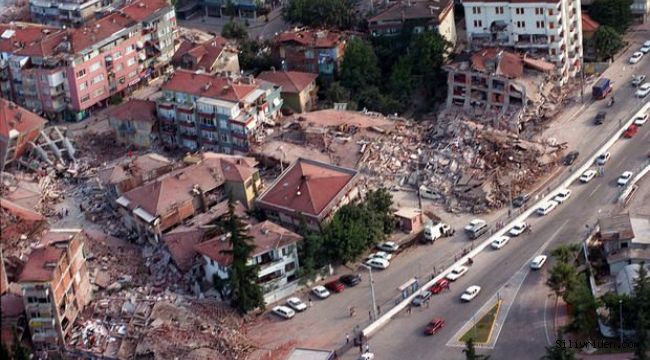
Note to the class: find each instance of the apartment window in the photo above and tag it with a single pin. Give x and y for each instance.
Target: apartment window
(551, 25)
(81, 73)
(539, 24)
(117, 55)
(478, 23)
(133, 73)
(552, 38)
(290, 266)
(119, 67)
(94, 67)
(521, 24)
(129, 49)
(97, 79)
(553, 52)
(85, 98)
(499, 10)
(550, 12)
(130, 62)
(83, 86)
(539, 11)
(476, 10)
(519, 11)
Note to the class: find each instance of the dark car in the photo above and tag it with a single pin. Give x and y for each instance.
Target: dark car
(570, 158)
(350, 279)
(437, 288)
(335, 286)
(434, 326)
(600, 118)
(421, 298)
(520, 200)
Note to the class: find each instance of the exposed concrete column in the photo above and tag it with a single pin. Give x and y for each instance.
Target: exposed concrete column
(51, 145)
(41, 153)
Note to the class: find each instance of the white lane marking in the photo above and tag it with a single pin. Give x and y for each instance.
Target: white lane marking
(548, 339)
(594, 190)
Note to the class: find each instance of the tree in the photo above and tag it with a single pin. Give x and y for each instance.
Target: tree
(611, 302)
(245, 293)
(234, 30)
(559, 352)
(400, 83)
(565, 253)
(337, 14)
(428, 51)
(606, 42)
(4, 352)
(584, 305)
(336, 93)
(641, 336)
(470, 351)
(612, 13)
(359, 68)
(563, 275)
(254, 56)
(380, 202)
(19, 351)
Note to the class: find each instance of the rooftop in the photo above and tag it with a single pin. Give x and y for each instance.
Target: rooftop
(308, 186)
(20, 35)
(20, 212)
(15, 120)
(498, 61)
(235, 168)
(205, 53)
(127, 167)
(41, 264)
(12, 305)
(616, 227)
(140, 10)
(413, 9)
(312, 38)
(211, 86)
(291, 81)
(135, 110)
(589, 24)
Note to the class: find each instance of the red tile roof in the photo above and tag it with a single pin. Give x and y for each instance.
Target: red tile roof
(36, 268)
(26, 35)
(308, 186)
(135, 110)
(589, 24)
(211, 86)
(312, 38)
(205, 53)
(12, 305)
(14, 117)
(141, 10)
(94, 32)
(235, 168)
(291, 81)
(180, 243)
(413, 9)
(20, 212)
(505, 63)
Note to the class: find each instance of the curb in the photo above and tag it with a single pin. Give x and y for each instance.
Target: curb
(494, 323)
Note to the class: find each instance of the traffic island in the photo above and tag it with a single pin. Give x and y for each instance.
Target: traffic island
(481, 332)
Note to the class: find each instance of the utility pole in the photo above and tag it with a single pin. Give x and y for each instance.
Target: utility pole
(620, 313)
(582, 79)
(372, 293)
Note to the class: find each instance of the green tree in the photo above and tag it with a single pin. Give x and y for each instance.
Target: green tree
(607, 42)
(584, 305)
(470, 351)
(359, 68)
(613, 13)
(566, 253)
(245, 293)
(309, 250)
(19, 351)
(641, 336)
(428, 51)
(557, 352)
(254, 56)
(380, 202)
(563, 275)
(4, 352)
(337, 14)
(400, 83)
(234, 30)
(336, 93)
(611, 303)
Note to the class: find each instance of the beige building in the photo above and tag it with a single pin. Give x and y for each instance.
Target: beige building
(299, 90)
(133, 122)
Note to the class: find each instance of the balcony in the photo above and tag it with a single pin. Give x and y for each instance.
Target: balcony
(204, 126)
(186, 124)
(529, 40)
(188, 136)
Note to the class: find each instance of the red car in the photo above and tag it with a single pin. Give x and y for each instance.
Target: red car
(442, 284)
(335, 286)
(434, 326)
(631, 131)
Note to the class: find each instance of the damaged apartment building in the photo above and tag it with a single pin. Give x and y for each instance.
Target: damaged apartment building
(500, 88)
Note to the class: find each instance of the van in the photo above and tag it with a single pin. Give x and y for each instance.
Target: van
(476, 228)
(546, 208)
(432, 232)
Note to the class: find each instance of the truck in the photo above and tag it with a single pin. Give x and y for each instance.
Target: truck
(434, 231)
(602, 88)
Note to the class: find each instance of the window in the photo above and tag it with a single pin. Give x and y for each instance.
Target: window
(499, 10)
(97, 79)
(553, 52)
(550, 12)
(119, 67)
(133, 74)
(551, 25)
(83, 86)
(521, 24)
(129, 49)
(539, 11)
(478, 23)
(476, 10)
(117, 55)
(93, 67)
(81, 73)
(519, 11)
(130, 62)
(85, 98)
(539, 24)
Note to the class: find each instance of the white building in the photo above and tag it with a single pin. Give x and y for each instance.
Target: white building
(552, 29)
(641, 8)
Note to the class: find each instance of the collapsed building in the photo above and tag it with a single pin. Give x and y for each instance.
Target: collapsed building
(500, 88)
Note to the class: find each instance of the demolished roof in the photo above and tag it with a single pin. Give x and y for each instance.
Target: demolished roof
(135, 110)
(501, 62)
(616, 227)
(235, 168)
(41, 264)
(15, 120)
(312, 38)
(205, 53)
(413, 9)
(291, 81)
(308, 186)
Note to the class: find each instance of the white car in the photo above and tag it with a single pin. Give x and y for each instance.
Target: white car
(296, 304)
(378, 263)
(645, 48)
(500, 242)
(380, 255)
(470, 293)
(388, 246)
(603, 158)
(457, 273)
(641, 120)
(367, 356)
(624, 178)
(475, 224)
(546, 207)
(562, 196)
(518, 229)
(587, 176)
(284, 312)
(538, 262)
(643, 90)
(636, 57)
(320, 291)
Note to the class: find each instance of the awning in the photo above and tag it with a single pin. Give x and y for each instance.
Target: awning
(123, 201)
(142, 214)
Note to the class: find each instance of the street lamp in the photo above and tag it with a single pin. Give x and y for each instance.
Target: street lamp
(372, 292)
(620, 314)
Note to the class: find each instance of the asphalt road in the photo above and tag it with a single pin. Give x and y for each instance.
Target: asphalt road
(525, 332)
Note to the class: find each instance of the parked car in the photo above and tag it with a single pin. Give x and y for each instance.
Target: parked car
(320, 291)
(388, 246)
(440, 285)
(284, 312)
(520, 200)
(367, 356)
(600, 118)
(538, 262)
(641, 120)
(638, 80)
(456, 273)
(645, 48)
(643, 90)
(381, 255)
(570, 158)
(636, 57)
(630, 131)
(562, 196)
(378, 263)
(335, 286)
(420, 298)
(350, 280)
(476, 228)
(518, 228)
(296, 304)
(434, 326)
(500, 242)
(470, 293)
(603, 158)
(546, 207)
(624, 178)
(587, 176)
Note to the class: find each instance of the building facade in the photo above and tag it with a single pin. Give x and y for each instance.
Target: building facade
(299, 89)
(64, 12)
(214, 112)
(18, 127)
(133, 122)
(55, 287)
(552, 29)
(315, 51)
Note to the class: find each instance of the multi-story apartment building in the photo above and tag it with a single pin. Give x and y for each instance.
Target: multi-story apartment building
(215, 112)
(314, 51)
(276, 255)
(549, 28)
(18, 127)
(641, 9)
(70, 13)
(55, 287)
(65, 73)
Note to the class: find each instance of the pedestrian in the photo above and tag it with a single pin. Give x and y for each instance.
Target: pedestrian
(409, 309)
(427, 302)
(81, 207)
(379, 309)
(367, 348)
(370, 315)
(347, 338)
(360, 347)
(310, 303)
